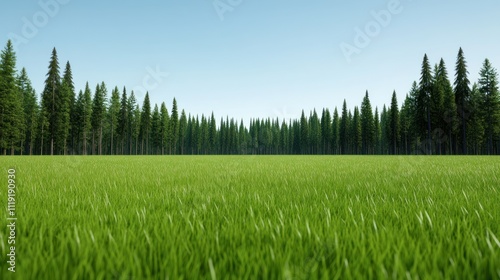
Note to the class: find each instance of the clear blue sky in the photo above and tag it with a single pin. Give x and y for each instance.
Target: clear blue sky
(258, 58)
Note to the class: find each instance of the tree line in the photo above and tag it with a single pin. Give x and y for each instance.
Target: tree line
(435, 118)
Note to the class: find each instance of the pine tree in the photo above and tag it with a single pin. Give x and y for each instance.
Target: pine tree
(123, 121)
(50, 100)
(68, 89)
(86, 117)
(315, 133)
(113, 113)
(449, 110)
(164, 126)
(356, 132)
(131, 123)
(182, 131)
(377, 131)
(77, 118)
(98, 115)
(344, 130)
(488, 86)
(405, 126)
(156, 130)
(384, 128)
(304, 135)
(424, 103)
(335, 132)
(394, 125)
(145, 125)
(11, 102)
(476, 124)
(136, 127)
(212, 134)
(367, 126)
(30, 112)
(462, 96)
(413, 124)
(326, 131)
(174, 128)
(436, 108)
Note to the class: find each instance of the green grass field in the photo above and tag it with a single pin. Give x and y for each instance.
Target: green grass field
(238, 217)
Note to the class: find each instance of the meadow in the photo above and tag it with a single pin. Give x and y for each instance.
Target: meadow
(254, 217)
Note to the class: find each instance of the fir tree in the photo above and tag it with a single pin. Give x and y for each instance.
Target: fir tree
(11, 103)
(488, 86)
(145, 125)
(367, 126)
(462, 95)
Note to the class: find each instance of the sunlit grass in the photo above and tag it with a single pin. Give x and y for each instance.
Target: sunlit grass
(273, 217)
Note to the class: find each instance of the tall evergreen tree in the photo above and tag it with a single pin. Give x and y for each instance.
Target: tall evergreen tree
(11, 102)
(145, 125)
(449, 109)
(156, 131)
(335, 131)
(488, 86)
(113, 113)
(51, 100)
(212, 134)
(174, 128)
(98, 116)
(31, 111)
(304, 134)
(77, 118)
(326, 131)
(344, 130)
(136, 127)
(384, 128)
(424, 103)
(367, 126)
(356, 132)
(436, 108)
(164, 126)
(315, 133)
(68, 91)
(376, 125)
(405, 126)
(86, 117)
(123, 120)
(462, 96)
(182, 131)
(394, 125)
(131, 123)
(476, 124)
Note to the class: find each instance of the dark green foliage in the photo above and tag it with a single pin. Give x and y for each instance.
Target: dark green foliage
(344, 130)
(174, 128)
(423, 109)
(145, 125)
(434, 119)
(113, 114)
(356, 132)
(367, 126)
(394, 126)
(462, 96)
(30, 112)
(488, 87)
(11, 103)
(98, 117)
(476, 124)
